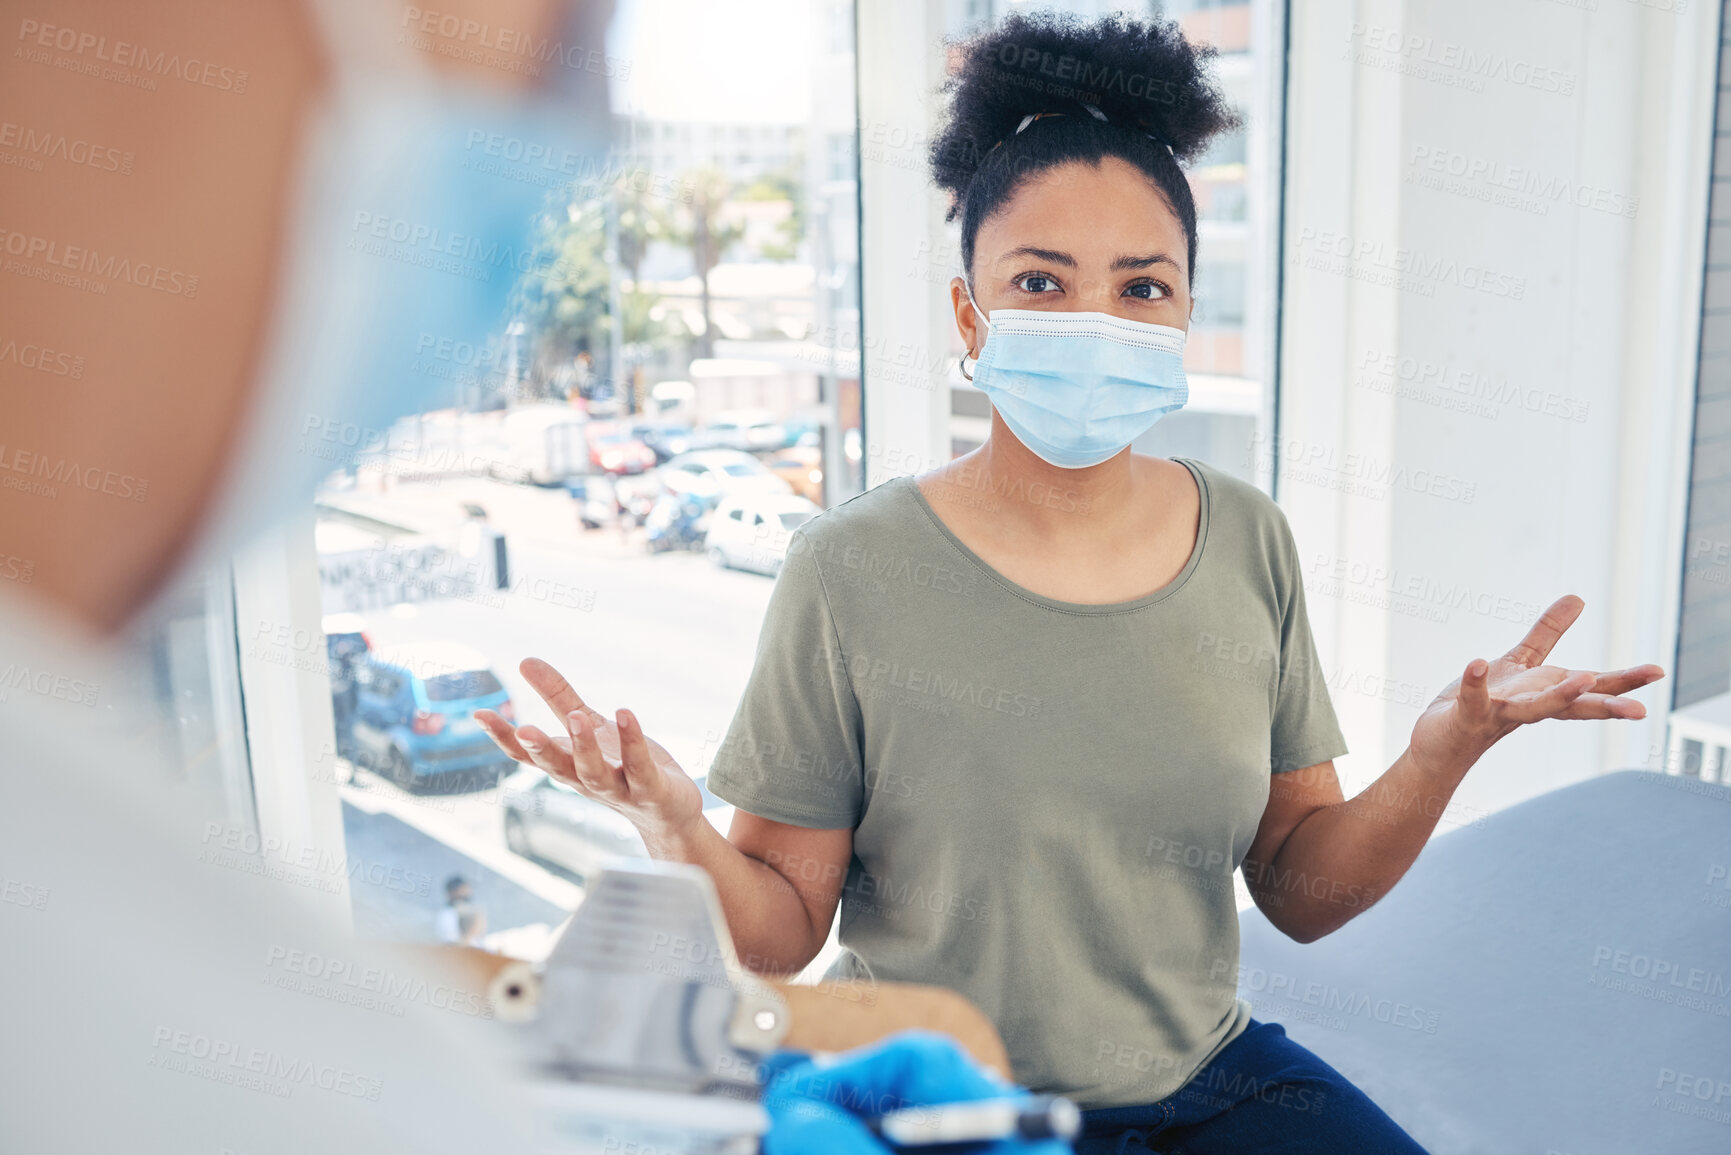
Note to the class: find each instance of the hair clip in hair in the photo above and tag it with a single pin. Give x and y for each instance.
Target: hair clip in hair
(1093, 111)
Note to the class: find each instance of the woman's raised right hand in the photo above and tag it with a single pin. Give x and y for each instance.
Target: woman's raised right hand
(611, 761)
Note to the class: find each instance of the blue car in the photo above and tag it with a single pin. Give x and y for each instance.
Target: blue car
(414, 716)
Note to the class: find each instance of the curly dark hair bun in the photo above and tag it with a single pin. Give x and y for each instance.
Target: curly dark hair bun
(1157, 105)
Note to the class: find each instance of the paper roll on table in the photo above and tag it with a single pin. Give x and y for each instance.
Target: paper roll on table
(817, 1017)
(827, 1016)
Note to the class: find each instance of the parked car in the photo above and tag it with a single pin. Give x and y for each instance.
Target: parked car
(671, 398)
(676, 521)
(414, 716)
(549, 821)
(346, 633)
(614, 450)
(801, 466)
(746, 430)
(712, 474)
(801, 431)
(666, 439)
(638, 492)
(752, 531)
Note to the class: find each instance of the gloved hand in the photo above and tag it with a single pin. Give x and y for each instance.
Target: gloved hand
(817, 1110)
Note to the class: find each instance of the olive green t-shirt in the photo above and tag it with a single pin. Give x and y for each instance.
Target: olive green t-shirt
(1048, 798)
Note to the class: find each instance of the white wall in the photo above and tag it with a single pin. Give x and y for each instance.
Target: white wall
(1571, 306)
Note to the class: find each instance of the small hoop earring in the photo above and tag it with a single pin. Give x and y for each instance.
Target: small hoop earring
(962, 364)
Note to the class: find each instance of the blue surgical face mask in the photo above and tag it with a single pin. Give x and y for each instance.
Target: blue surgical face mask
(1076, 388)
(413, 224)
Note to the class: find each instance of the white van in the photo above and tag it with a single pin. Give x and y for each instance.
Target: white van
(544, 444)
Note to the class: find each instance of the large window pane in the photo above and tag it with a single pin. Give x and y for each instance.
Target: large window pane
(611, 487)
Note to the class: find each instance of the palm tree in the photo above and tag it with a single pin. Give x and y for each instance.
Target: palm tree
(706, 231)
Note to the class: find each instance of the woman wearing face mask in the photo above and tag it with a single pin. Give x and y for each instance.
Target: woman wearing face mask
(1023, 715)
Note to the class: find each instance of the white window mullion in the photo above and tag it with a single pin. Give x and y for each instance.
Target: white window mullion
(904, 301)
(289, 726)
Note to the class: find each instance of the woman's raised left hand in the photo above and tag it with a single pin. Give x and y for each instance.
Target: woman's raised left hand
(1491, 699)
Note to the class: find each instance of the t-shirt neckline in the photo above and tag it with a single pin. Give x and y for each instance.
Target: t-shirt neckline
(1026, 594)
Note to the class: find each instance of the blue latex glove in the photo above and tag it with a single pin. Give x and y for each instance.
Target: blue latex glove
(818, 1110)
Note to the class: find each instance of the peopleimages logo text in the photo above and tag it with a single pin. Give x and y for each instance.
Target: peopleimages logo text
(46, 145)
(1469, 62)
(108, 267)
(1415, 265)
(60, 471)
(125, 54)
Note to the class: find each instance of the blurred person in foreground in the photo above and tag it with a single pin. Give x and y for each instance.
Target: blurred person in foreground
(237, 224)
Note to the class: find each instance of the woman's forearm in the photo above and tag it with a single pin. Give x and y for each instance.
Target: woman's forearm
(1341, 858)
(771, 927)
(1344, 857)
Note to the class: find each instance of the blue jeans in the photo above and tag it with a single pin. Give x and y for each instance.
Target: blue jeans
(1262, 1093)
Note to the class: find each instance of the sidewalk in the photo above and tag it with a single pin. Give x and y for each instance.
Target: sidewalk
(525, 514)
(429, 856)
